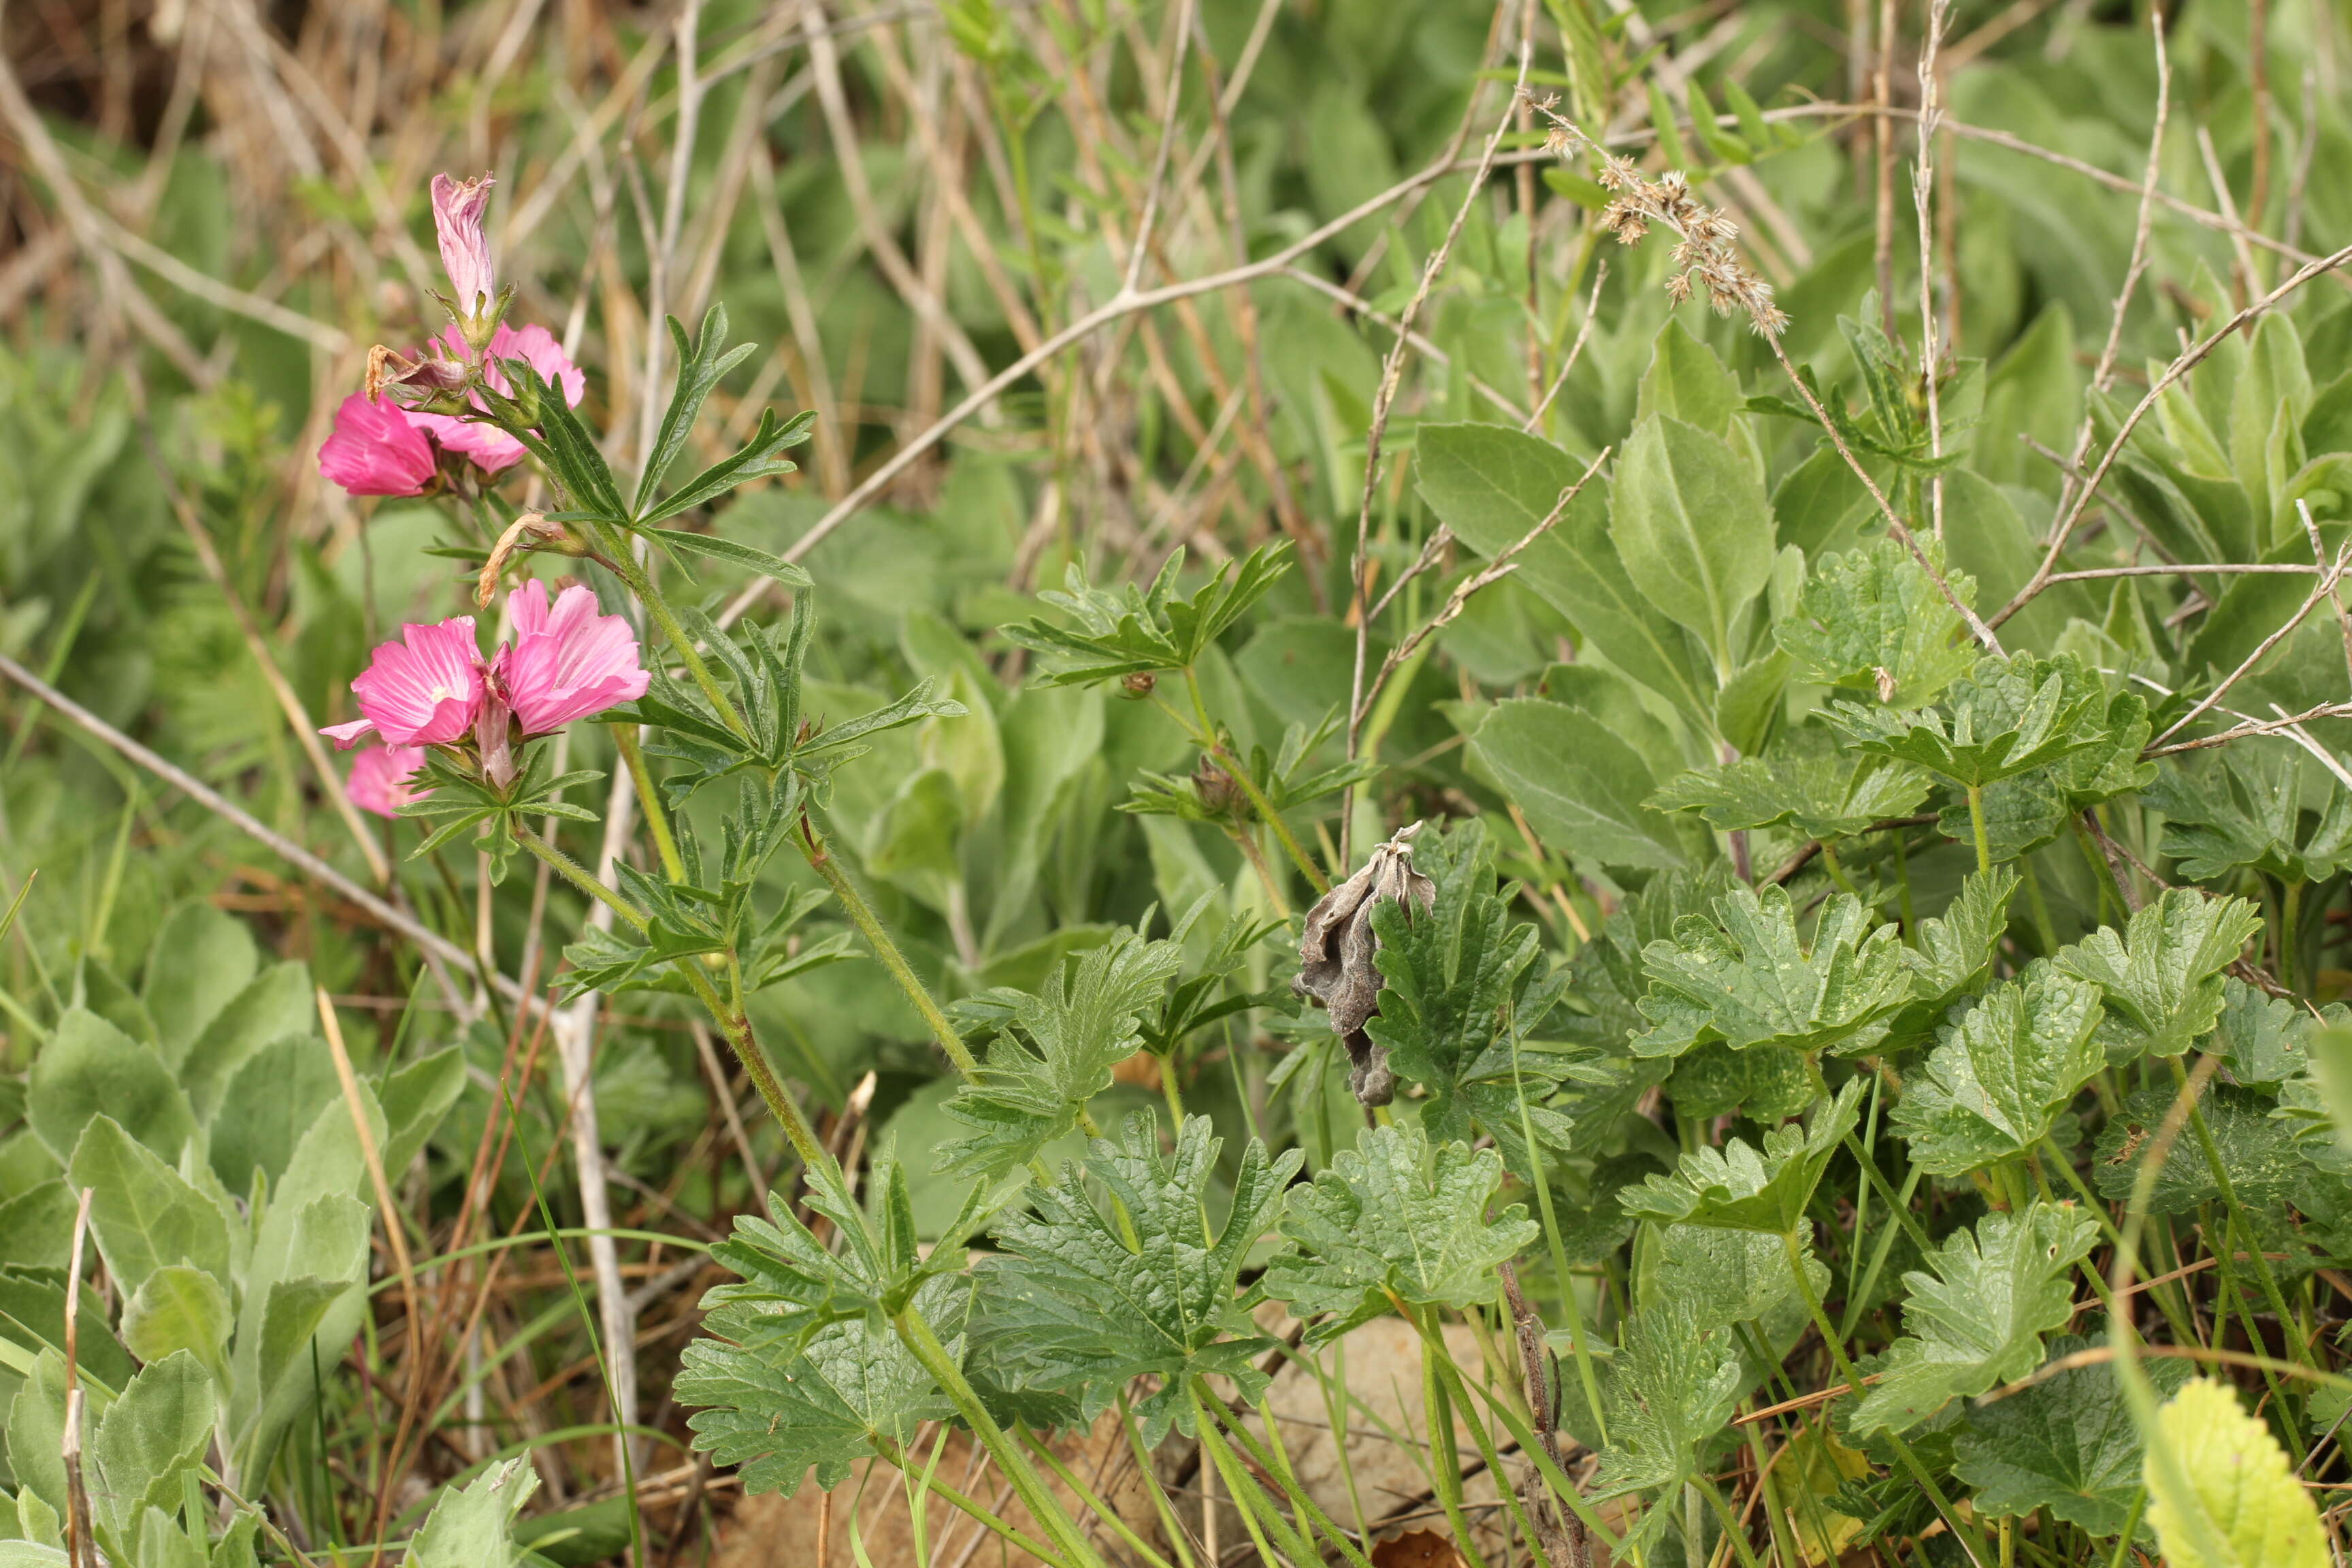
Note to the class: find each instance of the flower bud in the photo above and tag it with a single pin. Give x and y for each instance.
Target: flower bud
(1138, 685)
(458, 209)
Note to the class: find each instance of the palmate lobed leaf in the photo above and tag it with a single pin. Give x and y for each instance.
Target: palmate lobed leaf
(1465, 987)
(780, 1410)
(1823, 796)
(2257, 1148)
(1744, 978)
(2007, 716)
(1054, 1051)
(1872, 619)
(1134, 631)
(1082, 1301)
(1955, 953)
(1995, 1085)
(1979, 1318)
(2243, 810)
(1671, 1389)
(1391, 1221)
(2069, 1443)
(1737, 1187)
(2161, 978)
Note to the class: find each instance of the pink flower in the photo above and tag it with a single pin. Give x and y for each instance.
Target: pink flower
(457, 208)
(377, 450)
(490, 447)
(568, 662)
(421, 691)
(379, 779)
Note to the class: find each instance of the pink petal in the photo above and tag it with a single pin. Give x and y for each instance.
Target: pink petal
(346, 736)
(425, 688)
(376, 451)
(379, 779)
(567, 661)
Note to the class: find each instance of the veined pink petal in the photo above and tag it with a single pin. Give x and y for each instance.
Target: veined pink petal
(458, 209)
(567, 660)
(422, 690)
(379, 779)
(491, 448)
(376, 451)
(346, 736)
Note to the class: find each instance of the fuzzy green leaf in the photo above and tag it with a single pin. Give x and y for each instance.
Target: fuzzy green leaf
(2257, 1148)
(1873, 620)
(1822, 797)
(1736, 1188)
(1056, 1049)
(1744, 978)
(1995, 1084)
(1136, 631)
(2162, 977)
(474, 1526)
(2245, 809)
(2005, 717)
(1978, 1318)
(1671, 1389)
(1389, 1220)
(777, 1409)
(1085, 1309)
(2068, 1444)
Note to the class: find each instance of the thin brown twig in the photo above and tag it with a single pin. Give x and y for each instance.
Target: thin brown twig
(1383, 403)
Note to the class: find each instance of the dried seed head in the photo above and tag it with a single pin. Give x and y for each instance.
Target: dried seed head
(1334, 956)
(1138, 685)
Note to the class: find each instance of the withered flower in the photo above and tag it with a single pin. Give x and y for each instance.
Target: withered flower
(1334, 956)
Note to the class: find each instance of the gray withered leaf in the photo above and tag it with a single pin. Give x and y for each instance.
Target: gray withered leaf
(2068, 1444)
(2245, 808)
(1979, 1318)
(1955, 953)
(2257, 1148)
(1745, 978)
(1996, 1083)
(1335, 954)
(1873, 619)
(1671, 1388)
(1392, 1218)
(2161, 978)
(1086, 1297)
(1054, 1050)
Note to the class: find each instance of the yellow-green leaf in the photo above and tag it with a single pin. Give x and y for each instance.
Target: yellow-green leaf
(2229, 1499)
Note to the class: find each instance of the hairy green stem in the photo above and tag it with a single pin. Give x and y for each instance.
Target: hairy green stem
(665, 621)
(571, 871)
(632, 753)
(924, 1346)
(896, 1456)
(869, 925)
(1976, 822)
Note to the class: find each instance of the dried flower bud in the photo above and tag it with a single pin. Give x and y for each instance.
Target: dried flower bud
(528, 532)
(1214, 786)
(389, 370)
(1334, 956)
(1138, 685)
(1885, 681)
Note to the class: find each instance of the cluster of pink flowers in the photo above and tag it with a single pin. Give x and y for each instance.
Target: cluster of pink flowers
(380, 448)
(433, 688)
